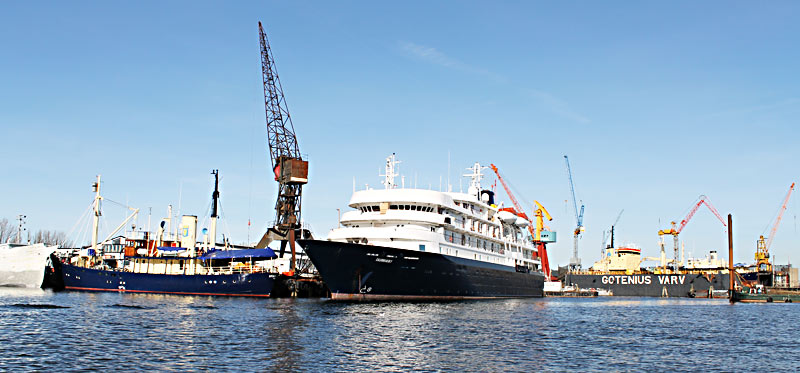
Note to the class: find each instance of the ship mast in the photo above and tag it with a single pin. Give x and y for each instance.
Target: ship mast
(96, 221)
(214, 201)
(475, 178)
(391, 171)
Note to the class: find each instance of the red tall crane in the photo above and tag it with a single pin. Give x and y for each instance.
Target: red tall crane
(762, 248)
(702, 200)
(540, 245)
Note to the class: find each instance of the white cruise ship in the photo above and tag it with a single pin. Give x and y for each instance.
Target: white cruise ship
(402, 243)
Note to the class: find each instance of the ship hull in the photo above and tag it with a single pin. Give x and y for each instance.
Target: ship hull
(23, 266)
(367, 272)
(69, 277)
(652, 285)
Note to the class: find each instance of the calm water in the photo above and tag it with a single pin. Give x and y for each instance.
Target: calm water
(42, 330)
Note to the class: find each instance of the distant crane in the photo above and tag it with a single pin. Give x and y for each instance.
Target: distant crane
(674, 232)
(288, 166)
(540, 212)
(575, 261)
(762, 248)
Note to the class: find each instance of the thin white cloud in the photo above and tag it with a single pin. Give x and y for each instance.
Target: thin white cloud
(557, 106)
(788, 103)
(436, 57)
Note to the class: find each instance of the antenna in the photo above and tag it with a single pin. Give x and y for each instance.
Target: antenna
(21, 228)
(449, 187)
(392, 170)
(475, 178)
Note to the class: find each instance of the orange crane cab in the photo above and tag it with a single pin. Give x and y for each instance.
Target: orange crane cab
(540, 213)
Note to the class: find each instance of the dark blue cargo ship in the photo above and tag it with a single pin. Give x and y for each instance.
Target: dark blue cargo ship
(223, 272)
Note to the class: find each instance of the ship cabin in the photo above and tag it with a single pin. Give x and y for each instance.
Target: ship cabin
(215, 262)
(140, 255)
(625, 259)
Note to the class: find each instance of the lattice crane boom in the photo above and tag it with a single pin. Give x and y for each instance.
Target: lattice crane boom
(578, 216)
(280, 129)
(674, 232)
(575, 261)
(780, 215)
(703, 200)
(514, 201)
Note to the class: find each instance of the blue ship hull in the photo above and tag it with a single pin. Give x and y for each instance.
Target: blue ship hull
(69, 277)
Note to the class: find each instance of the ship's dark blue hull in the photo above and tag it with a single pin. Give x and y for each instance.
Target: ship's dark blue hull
(87, 279)
(367, 272)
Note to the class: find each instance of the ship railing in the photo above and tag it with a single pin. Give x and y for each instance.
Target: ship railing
(228, 270)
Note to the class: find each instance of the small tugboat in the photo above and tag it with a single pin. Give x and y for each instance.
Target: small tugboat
(760, 294)
(180, 266)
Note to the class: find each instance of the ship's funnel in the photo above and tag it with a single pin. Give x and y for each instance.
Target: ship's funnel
(188, 233)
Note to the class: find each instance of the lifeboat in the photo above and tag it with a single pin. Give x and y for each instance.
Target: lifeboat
(507, 217)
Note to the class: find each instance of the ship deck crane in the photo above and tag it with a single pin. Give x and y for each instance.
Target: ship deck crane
(288, 166)
(540, 213)
(762, 248)
(575, 261)
(675, 230)
(611, 244)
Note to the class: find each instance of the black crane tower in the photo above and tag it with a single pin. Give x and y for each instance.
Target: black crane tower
(288, 166)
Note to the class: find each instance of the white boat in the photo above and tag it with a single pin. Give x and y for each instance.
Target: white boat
(400, 243)
(23, 265)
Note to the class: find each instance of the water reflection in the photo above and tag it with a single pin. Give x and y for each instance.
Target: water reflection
(166, 332)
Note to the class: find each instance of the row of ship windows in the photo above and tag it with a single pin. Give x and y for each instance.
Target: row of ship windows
(468, 206)
(471, 241)
(397, 207)
(485, 258)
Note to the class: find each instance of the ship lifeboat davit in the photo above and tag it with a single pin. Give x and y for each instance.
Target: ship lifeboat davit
(521, 222)
(507, 217)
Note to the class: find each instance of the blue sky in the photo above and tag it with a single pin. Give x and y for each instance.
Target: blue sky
(654, 103)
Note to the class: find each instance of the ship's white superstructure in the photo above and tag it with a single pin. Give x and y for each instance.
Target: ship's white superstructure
(463, 225)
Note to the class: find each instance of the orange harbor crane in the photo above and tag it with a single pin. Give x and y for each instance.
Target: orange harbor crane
(702, 200)
(540, 212)
(762, 248)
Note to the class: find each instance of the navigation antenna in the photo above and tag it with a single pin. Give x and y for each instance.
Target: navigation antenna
(288, 166)
(476, 176)
(21, 228)
(392, 170)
